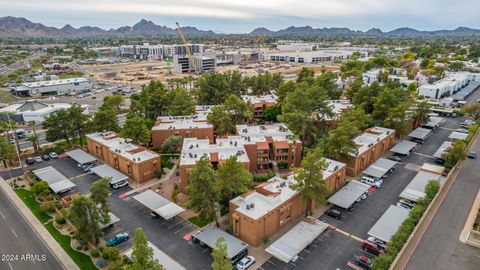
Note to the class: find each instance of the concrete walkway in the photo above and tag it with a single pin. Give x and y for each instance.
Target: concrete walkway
(41, 231)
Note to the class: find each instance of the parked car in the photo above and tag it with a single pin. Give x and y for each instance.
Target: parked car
(372, 247)
(53, 155)
(154, 215)
(372, 181)
(30, 161)
(362, 197)
(405, 204)
(395, 158)
(86, 167)
(377, 241)
(462, 130)
(472, 154)
(363, 261)
(245, 263)
(334, 213)
(118, 239)
(120, 184)
(38, 159)
(46, 157)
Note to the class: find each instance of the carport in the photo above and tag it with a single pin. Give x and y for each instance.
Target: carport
(167, 262)
(236, 248)
(457, 136)
(389, 222)
(158, 204)
(420, 133)
(380, 167)
(416, 188)
(439, 153)
(56, 181)
(404, 147)
(81, 156)
(297, 239)
(113, 176)
(433, 122)
(346, 196)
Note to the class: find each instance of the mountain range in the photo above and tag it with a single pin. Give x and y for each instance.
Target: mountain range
(23, 28)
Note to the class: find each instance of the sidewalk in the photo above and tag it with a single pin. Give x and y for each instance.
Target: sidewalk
(41, 231)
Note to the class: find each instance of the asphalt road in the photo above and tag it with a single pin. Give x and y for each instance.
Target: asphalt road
(440, 247)
(19, 242)
(334, 250)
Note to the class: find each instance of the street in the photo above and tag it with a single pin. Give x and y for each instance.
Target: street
(19, 241)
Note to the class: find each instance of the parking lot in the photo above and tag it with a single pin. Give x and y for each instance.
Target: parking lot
(335, 248)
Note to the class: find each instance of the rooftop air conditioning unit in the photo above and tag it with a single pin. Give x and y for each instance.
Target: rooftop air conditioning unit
(252, 205)
(248, 207)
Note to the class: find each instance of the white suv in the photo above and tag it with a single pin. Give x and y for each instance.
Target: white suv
(372, 181)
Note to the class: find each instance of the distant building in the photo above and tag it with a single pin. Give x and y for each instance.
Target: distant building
(156, 52)
(202, 64)
(338, 107)
(451, 83)
(138, 163)
(260, 103)
(371, 76)
(53, 87)
(35, 111)
(310, 57)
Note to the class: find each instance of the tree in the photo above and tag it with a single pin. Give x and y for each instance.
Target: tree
(271, 113)
(238, 108)
(99, 191)
(204, 190)
(365, 96)
(327, 81)
(115, 102)
(220, 255)
(456, 66)
(431, 189)
(142, 254)
(182, 103)
(105, 120)
(34, 138)
(222, 120)
(79, 121)
(41, 188)
(84, 215)
(357, 117)
(283, 90)
(58, 125)
(7, 151)
(172, 144)
(309, 179)
(306, 75)
(420, 116)
(454, 153)
(399, 120)
(136, 129)
(151, 102)
(339, 144)
(233, 178)
(212, 89)
(473, 110)
(388, 99)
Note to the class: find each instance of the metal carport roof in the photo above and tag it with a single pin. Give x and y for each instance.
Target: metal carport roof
(210, 235)
(433, 122)
(416, 188)
(420, 133)
(166, 261)
(457, 136)
(296, 239)
(387, 225)
(380, 167)
(346, 196)
(158, 204)
(81, 156)
(466, 91)
(56, 181)
(404, 147)
(441, 149)
(110, 173)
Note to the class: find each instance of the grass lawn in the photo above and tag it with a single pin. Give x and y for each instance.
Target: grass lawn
(165, 163)
(29, 199)
(199, 221)
(83, 261)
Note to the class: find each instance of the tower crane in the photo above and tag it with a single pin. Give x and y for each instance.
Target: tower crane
(187, 49)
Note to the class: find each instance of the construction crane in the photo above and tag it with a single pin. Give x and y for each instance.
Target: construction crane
(187, 49)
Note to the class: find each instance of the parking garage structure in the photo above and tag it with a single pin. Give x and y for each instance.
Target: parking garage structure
(404, 148)
(349, 194)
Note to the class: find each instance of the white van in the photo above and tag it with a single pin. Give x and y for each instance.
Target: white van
(372, 181)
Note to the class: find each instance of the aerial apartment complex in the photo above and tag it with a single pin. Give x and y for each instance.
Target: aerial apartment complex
(371, 145)
(451, 83)
(138, 163)
(260, 103)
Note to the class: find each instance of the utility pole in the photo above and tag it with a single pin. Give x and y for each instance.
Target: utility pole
(17, 145)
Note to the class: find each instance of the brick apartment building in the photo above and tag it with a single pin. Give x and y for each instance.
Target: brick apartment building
(260, 103)
(338, 106)
(371, 145)
(272, 204)
(193, 149)
(135, 161)
(195, 126)
(270, 144)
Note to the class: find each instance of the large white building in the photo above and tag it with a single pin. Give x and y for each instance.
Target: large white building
(36, 111)
(156, 52)
(451, 83)
(310, 57)
(53, 87)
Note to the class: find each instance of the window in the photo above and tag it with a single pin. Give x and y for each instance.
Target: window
(129, 169)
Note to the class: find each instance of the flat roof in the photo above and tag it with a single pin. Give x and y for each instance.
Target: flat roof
(210, 235)
(380, 167)
(433, 121)
(166, 261)
(457, 136)
(332, 167)
(439, 153)
(194, 149)
(110, 173)
(259, 133)
(370, 138)
(263, 204)
(158, 204)
(56, 181)
(81, 156)
(272, 98)
(338, 106)
(182, 122)
(296, 239)
(55, 82)
(387, 225)
(346, 196)
(420, 133)
(404, 147)
(416, 188)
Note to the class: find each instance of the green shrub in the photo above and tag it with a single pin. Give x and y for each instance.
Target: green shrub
(263, 177)
(60, 219)
(175, 193)
(111, 253)
(158, 174)
(48, 206)
(94, 253)
(282, 165)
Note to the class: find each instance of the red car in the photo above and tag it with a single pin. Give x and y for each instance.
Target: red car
(372, 247)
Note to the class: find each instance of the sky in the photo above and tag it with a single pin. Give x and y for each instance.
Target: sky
(241, 16)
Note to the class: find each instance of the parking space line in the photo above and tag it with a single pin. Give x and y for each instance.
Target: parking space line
(423, 155)
(349, 235)
(175, 224)
(271, 262)
(1, 214)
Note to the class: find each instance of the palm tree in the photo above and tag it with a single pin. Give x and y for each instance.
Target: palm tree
(34, 138)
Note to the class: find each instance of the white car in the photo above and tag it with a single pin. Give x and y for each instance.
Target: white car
(120, 184)
(245, 263)
(372, 182)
